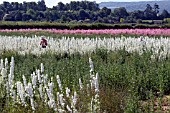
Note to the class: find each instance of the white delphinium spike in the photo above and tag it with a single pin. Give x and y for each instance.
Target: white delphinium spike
(29, 90)
(80, 84)
(88, 89)
(21, 92)
(59, 82)
(42, 68)
(41, 91)
(69, 109)
(2, 64)
(6, 63)
(42, 78)
(52, 104)
(4, 73)
(74, 101)
(39, 76)
(32, 103)
(61, 100)
(48, 93)
(11, 76)
(58, 100)
(67, 92)
(51, 101)
(10, 82)
(34, 80)
(12, 66)
(51, 86)
(92, 83)
(74, 98)
(45, 79)
(96, 83)
(24, 81)
(91, 65)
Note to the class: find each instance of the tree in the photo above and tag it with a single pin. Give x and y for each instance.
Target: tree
(41, 5)
(106, 10)
(15, 5)
(137, 14)
(148, 7)
(48, 15)
(32, 13)
(83, 14)
(156, 8)
(32, 5)
(149, 13)
(61, 6)
(40, 15)
(1, 14)
(165, 14)
(73, 5)
(120, 12)
(93, 6)
(8, 17)
(18, 16)
(26, 17)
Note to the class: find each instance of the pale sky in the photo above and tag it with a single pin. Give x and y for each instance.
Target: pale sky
(51, 3)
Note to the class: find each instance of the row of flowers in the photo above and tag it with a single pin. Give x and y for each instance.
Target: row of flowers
(163, 32)
(158, 46)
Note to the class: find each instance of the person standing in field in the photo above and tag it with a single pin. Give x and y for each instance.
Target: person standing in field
(43, 42)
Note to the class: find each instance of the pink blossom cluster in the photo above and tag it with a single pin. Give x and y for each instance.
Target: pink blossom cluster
(162, 32)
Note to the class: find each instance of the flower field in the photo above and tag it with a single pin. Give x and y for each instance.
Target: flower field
(162, 32)
(85, 75)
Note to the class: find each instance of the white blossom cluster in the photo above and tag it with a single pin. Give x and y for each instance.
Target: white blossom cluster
(160, 47)
(40, 86)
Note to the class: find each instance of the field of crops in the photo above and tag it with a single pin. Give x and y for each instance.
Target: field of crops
(90, 71)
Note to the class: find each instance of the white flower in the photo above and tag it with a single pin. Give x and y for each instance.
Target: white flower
(91, 65)
(1, 64)
(67, 92)
(6, 63)
(61, 100)
(24, 81)
(21, 92)
(80, 84)
(41, 91)
(74, 98)
(59, 82)
(69, 109)
(4, 73)
(39, 76)
(42, 68)
(12, 66)
(29, 90)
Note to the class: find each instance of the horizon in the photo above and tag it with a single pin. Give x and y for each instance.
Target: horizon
(51, 3)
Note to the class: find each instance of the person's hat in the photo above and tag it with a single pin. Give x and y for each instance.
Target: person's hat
(43, 38)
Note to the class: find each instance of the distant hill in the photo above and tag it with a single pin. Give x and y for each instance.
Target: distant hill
(131, 6)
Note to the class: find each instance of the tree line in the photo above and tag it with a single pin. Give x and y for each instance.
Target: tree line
(77, 11)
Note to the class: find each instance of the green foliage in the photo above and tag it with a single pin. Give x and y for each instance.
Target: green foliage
(124, 78)
(145, 26)
(75, 11)
(168, 20)
(56, 25)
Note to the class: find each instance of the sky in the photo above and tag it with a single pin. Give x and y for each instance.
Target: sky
(51, 3)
